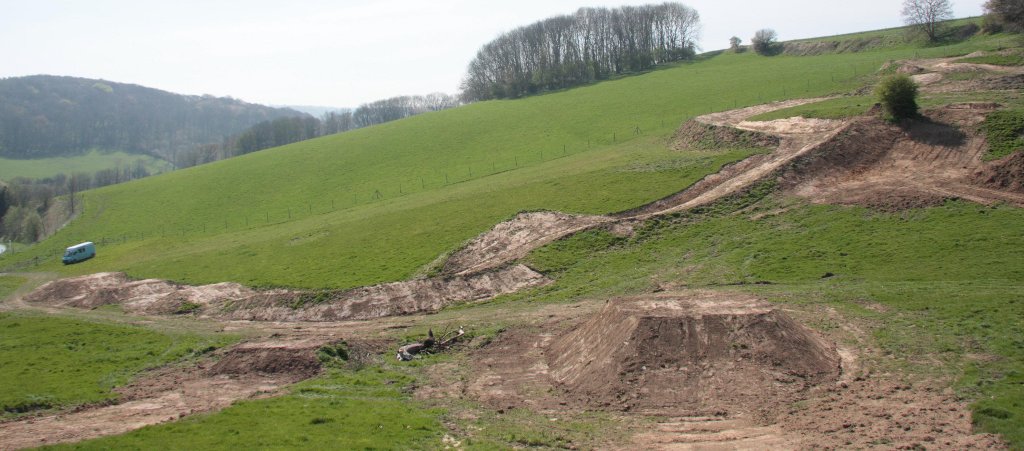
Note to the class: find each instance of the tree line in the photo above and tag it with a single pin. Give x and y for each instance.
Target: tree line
(51, 116)
(570, 50)
(31, 209)
(283, 131)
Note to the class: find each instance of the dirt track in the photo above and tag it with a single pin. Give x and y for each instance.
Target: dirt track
(824, 175)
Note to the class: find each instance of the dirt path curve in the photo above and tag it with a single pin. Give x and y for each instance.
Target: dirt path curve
(511, 240)
(711, 433)
(189, 397)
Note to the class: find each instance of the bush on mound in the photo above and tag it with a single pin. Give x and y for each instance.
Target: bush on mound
(898, 96)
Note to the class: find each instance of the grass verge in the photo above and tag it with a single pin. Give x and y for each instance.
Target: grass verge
(344, 409)
(1005, 133)
(49, 362)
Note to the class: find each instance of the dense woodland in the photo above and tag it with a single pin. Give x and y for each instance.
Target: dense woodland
(47, 116)
(592, 44)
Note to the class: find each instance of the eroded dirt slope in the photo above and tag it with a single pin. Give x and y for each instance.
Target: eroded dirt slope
(918, 163)
(233, 301)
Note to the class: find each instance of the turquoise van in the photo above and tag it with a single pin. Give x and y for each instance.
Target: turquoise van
(79, 252)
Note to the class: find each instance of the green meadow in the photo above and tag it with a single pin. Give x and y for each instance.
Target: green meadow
(51, 362)
(88, 163)
(378, 204)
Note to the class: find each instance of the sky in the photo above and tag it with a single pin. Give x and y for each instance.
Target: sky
(342, 53)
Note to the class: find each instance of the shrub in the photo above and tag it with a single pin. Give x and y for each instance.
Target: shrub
(186, 308)
(898, 96)
(764, 42)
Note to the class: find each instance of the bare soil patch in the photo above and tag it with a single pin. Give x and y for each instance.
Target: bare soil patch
(1006, 173)
(721, 370)
(693, 353)
(696, 135)
(233, 301)
(918, 163)
(513, 239)
(698, 353)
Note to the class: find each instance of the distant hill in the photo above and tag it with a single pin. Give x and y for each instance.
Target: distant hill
(317, 111)
(49, 116)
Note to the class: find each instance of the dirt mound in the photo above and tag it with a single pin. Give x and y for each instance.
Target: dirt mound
(513, 239)
(792, 125)
(150, 296)
(233, 301)
(389, 299)
(701, 353)
(695, 135)
(270, 358)
(1007, 173)
(826, 47)
(915, 164)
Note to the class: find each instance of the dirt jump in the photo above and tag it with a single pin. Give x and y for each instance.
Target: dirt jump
(724, 370)
(698, 353)
(718, 371)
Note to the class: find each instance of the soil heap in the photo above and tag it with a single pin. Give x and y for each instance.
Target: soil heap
(698, 353)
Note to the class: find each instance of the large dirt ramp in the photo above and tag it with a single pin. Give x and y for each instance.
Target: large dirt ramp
(699, 352)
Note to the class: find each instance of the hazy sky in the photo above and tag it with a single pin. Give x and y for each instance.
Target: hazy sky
(341, 52)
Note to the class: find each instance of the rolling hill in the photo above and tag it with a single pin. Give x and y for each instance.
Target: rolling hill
(55, 116)
(379, 204)
(919, 300)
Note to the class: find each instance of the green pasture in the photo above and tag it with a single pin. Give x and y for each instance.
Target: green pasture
(88, 163)
(49, 362)
(378, 204)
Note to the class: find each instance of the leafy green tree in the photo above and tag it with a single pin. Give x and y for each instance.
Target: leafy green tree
(765, 42)
(898, 96)
(734, 44)
(1008, 13)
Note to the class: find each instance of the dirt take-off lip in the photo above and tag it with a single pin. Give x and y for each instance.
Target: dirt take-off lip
(697, 353)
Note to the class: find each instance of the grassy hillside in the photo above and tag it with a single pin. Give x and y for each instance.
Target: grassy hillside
(378, 204)
(89, 163)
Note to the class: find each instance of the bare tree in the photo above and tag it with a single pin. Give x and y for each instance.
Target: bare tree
(927, 15)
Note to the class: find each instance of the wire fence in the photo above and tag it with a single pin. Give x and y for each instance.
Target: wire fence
(372, 193)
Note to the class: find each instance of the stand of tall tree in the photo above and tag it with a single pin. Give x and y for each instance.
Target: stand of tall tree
(592, 44)
(31, 209)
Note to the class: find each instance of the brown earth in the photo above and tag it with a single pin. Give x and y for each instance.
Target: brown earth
(233, 301)
(695, 353)
(914, 164)
(696, 135)
(513, 239)
(797, 391)
(1005, 174)
(933, 75)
